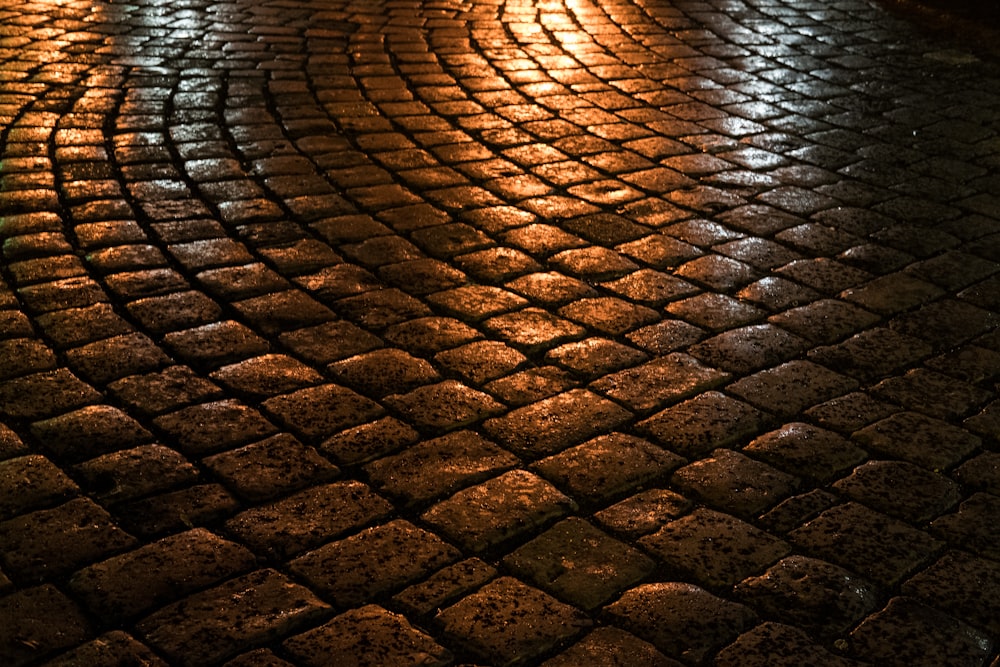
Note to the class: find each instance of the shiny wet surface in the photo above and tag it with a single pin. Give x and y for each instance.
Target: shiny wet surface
(604, 333)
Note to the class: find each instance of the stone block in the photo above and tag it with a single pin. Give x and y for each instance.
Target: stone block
(579, 563)
(881, 549)
(507, 622)
(136, 582)
(372, 563)
(715, 549)
(682, 620)
(38, 622)
(54, 542)
(498, 510)
(215, 624)
(369, 636)
(308, 518)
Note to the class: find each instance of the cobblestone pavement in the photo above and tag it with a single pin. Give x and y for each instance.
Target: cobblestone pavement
(562, 332)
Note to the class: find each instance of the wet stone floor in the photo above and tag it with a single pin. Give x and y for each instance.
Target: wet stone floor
(483, 332)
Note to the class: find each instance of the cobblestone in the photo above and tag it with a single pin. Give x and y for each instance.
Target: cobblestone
(579, 563)
(476, 621)
(368, 635)
(111, 647)
(373, 562)
(128, 585)
(260, 606)
(810, 594)
(881, 549)
(32, 482)
(540, 333)
(919, 633)
(41, 621)
(776, 644)
(715, 549)
(682, 620)
(83, 531)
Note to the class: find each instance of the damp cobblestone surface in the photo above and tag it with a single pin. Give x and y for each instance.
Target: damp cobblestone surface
(469, 332)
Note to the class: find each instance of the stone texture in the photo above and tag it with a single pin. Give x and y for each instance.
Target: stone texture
(908, 630)
(932, 394)
(929, 443)
(794, 511)
(367, 637)
(955, 580)
(436, 467)
(531, 384)
(216, 344)
(499, 509)
(810, 594)
(112, 648)
(533, 329)
(872, 354)
(132, 473)
(606, 467)
(416, 296)
(714, 549)
(806, 451)
(507, 622)
(444, 586)
(555, 423)
(444, 406)
(269, 468)
(611, 647)
(594, 357)
(319, 412)
(749, 348)
(31, 482)
(659, 382)
(134, 353)
(986, 421)
(53, 542)
(266, 376)
(125, 586)
(825, 321)
(163, 391)
(791, 387)
(38, 622)
(698, 425)
(643, 513)
(980, 472)
(210, 626)
(373, 562)
(970, 525)
(682, 620)
(734, 483)
(777, 645)
(367, 441)
(880, 549)
(609, 315)
(175, 511)
(481, 361)
(209, 427)
(850, 412)
(900, 489)
(579, 563)
(46, 394)
(308, 518)
(946, 323)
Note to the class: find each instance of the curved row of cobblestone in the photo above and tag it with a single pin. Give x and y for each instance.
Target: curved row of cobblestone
(513, 333)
